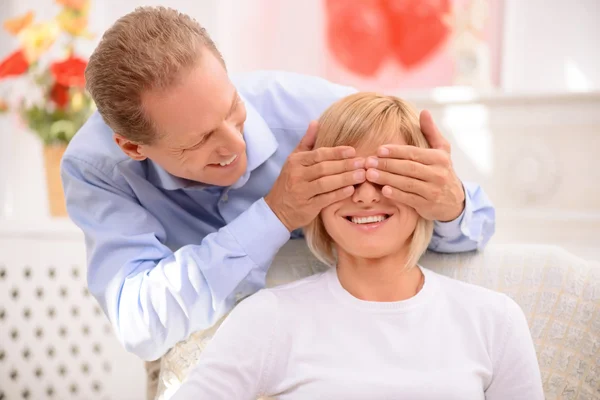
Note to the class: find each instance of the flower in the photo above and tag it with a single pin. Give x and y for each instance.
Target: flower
(77, 101)
(55, 104)
(79, 5)
(16, 25)
(13, 65)
(38, 38)
(70, 72)
(73, 22)
(59, 94)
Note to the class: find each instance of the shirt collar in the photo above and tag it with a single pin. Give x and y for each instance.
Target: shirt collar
(260, 145)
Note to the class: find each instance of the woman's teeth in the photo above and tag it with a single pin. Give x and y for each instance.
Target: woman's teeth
(368, 220)
(227, 162)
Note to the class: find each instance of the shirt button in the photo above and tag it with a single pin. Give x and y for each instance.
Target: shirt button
(225, 198)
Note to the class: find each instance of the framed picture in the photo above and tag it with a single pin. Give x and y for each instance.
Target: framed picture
(387, 45)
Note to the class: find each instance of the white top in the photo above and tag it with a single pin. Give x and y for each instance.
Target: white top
(311, 339)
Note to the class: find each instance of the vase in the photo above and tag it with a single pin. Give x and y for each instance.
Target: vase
(22, 181)
(6, 168)
(56, 198)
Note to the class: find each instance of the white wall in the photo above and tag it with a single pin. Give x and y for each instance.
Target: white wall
(292, 40)
(205, 11)
(552, 45)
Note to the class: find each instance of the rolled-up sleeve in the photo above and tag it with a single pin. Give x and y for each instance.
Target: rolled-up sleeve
(472, 230)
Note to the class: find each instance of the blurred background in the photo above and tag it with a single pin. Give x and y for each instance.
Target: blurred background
(514, 85)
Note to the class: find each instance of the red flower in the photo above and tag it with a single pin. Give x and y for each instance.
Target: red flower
(13, 65)
(59, 94)
(70, 72)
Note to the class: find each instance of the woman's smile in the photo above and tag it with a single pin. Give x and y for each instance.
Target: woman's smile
(368, 220)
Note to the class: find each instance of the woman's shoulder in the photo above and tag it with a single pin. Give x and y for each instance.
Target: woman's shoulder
(266, 299)
(494, 314)
(475, 298)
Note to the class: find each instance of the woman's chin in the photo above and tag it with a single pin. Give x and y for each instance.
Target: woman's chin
(371, 250)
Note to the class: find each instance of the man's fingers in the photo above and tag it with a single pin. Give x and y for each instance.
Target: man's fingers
(412, 153)
(309, 158)
(326, 168)
(410, 199)
(407, 168)
(327, 199)
(331, 183)
(403, 183)
(432, 133)
(308, 141)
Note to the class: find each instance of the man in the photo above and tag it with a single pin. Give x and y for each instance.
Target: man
(186, 184)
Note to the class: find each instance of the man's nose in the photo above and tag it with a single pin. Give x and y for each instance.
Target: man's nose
(228, 136)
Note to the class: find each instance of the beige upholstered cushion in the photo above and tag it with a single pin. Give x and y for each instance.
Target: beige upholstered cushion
(559, 293)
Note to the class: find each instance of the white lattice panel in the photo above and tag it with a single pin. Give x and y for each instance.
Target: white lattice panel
(55, 342)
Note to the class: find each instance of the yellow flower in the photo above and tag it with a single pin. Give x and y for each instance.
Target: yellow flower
(17, 24)
(79, 5)
(3, 106)
(73, 22)
(37, 39)
(77, 101)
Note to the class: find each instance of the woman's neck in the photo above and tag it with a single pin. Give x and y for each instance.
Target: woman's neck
(381, 279)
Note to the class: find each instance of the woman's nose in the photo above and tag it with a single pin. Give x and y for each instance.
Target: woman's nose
(366, 193)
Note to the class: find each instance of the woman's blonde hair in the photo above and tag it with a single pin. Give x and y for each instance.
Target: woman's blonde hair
(368, 119)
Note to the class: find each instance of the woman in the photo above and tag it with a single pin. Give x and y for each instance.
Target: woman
(376, 325)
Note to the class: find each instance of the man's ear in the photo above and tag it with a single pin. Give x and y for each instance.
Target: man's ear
(130, 148)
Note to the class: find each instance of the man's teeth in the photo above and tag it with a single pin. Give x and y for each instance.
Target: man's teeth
(368, 220)
(227, 162)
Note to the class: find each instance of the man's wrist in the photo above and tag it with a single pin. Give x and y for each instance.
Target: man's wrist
(455, 214)
(281, 216)
(460, 208)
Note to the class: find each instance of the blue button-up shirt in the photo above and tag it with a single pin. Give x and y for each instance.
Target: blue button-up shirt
(166, 256)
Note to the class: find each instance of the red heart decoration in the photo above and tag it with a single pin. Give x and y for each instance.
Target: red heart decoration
(358, 35)
(416, 28)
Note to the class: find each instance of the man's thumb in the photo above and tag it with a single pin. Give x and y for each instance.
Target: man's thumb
(308, 141)
(432, 133)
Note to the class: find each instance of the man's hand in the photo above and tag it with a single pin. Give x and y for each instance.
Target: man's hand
(310, 180)
(421, 178)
